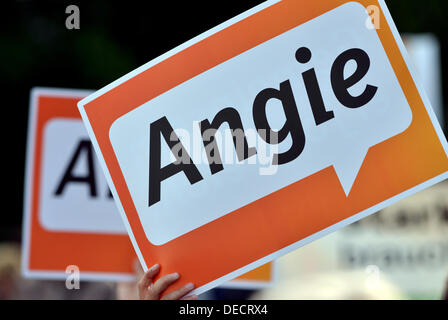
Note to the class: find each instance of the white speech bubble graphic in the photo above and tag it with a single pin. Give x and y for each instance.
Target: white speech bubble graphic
(341, 142)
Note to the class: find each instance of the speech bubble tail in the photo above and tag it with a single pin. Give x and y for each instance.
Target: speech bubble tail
(347, 168)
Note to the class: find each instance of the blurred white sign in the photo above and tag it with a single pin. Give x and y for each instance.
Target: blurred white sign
(424, 50)
(407, 242)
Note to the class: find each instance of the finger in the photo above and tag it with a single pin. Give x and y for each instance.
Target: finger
(162, 284)
(179, 293)
(190, 297)
(147, 278)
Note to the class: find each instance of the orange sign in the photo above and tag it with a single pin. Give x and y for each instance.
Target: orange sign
(70, 216)
(54, 234)
(327, 124)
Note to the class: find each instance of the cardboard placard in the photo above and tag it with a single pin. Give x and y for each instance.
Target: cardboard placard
(347, 128)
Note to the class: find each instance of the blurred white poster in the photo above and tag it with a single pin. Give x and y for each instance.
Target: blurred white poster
(424, 50)
(405, 244)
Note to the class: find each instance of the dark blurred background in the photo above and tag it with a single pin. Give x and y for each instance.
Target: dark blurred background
(36, 49)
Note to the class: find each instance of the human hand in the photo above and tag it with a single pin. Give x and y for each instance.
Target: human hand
(445, 295)
(149, 290)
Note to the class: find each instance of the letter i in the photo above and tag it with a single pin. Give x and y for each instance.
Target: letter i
(321, 115)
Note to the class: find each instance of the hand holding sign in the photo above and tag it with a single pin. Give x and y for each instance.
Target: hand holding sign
(149, 289)
(333, 100)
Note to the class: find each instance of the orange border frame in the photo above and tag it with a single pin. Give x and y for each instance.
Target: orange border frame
(207, 253)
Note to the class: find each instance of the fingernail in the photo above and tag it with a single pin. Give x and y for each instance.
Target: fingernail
(189, 286)
(175, 275)
(154, 267)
